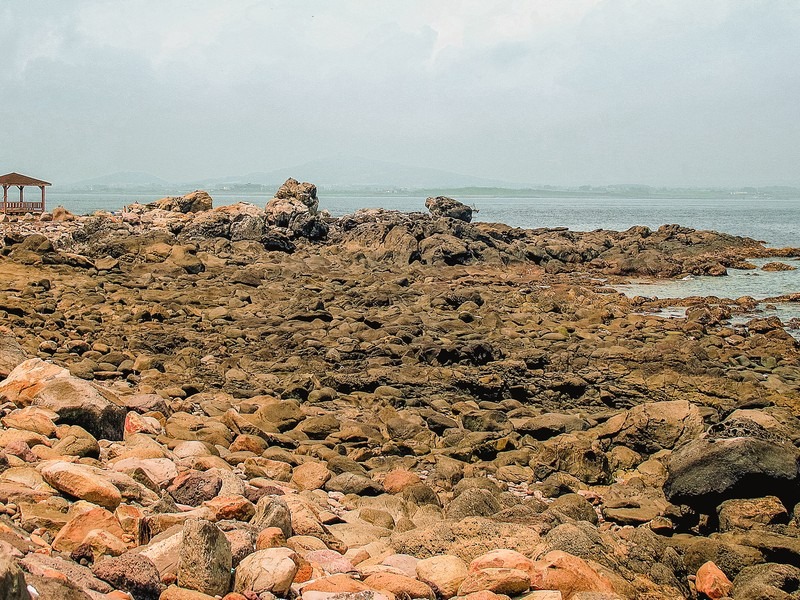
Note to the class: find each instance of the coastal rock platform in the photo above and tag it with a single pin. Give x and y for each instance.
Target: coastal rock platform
(249, 403)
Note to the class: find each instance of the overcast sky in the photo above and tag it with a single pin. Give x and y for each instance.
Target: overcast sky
(672, 92)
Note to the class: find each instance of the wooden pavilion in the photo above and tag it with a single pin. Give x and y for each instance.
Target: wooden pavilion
(22, 181)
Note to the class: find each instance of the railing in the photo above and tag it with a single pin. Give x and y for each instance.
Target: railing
(21, 207)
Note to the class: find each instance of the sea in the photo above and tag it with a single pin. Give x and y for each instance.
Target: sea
(775, 221)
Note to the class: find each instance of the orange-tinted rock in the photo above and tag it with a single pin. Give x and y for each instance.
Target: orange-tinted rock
(502, 558)
(399, 479)
(400, 585)
(569, 574)
(270, 537)
(311, 475)
(497, 580)
(78, 527)
(712, 582)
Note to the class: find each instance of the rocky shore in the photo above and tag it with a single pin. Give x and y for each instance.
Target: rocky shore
(259, 403)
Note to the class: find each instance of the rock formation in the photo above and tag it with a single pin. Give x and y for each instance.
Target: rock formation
(224, 402)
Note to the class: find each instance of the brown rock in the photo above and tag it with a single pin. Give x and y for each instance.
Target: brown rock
(310, 475)
(400, 585)
(498, 580)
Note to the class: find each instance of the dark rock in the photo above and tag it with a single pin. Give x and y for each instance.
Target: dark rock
(131, 572)
(442, 206)
(768, 581)
(194, 487)
(707, 471)
(473, 502)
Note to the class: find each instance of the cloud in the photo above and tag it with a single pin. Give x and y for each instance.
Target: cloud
(586, 91)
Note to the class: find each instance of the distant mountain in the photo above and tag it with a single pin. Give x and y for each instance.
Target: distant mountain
(356, 172)
(122, 179)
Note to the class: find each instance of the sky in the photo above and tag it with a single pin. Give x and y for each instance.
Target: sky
(561, 92)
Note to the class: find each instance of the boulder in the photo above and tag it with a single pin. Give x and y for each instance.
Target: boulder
(11, 353)
(499, 580)
(401, 586)
(473, 502)
(78, 402)
(272, 511)
(133, 573)
(205, 558)
(12, 581)
(712, 582)
(768, 581)
(442, 206)
(197, 201)
(270, 570)
(653, 426)
(707, 471)
(84, 482)
(444, 574)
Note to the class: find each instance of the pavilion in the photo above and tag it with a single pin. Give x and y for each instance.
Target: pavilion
(21, 181)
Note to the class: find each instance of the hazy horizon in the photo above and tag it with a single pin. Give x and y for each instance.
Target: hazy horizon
(590, 92)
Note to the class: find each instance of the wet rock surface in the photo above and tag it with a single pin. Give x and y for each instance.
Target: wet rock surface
(275, 403)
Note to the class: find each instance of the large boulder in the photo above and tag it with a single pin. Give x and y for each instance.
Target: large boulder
(724, 465)
(78, 402)
(442, 206)
(197, 201)
(270, 570)
(131, 572)
(11, 353)
(12, 582)
(655, 426)
(205, 558)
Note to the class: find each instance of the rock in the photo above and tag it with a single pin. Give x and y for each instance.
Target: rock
(85, 518)
(473, 502)
(28, 378)
(442, 206)
(174, 592)
(310, 475)
(498, 580)
(193, 487)
(575, 507)
(747, 514)
(777, 266)
(205, 558)
(132, 573)
(353, 483)
(654, 426)
(502, 558)
(82, 482)
(399, 585)
(78, 402)
(270, 570)
(768, 581)
(444, 574)
(12, 581)
(569, 574)
(706, 472)
(398, 480)
(192, 202)
(11, 353)
(712, 582)
(272, 511)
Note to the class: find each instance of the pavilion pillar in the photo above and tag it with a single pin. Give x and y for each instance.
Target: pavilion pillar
(21, 198)
(42, 188)
(5, 199)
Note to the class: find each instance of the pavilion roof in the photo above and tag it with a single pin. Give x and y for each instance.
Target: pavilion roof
(17, 179)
